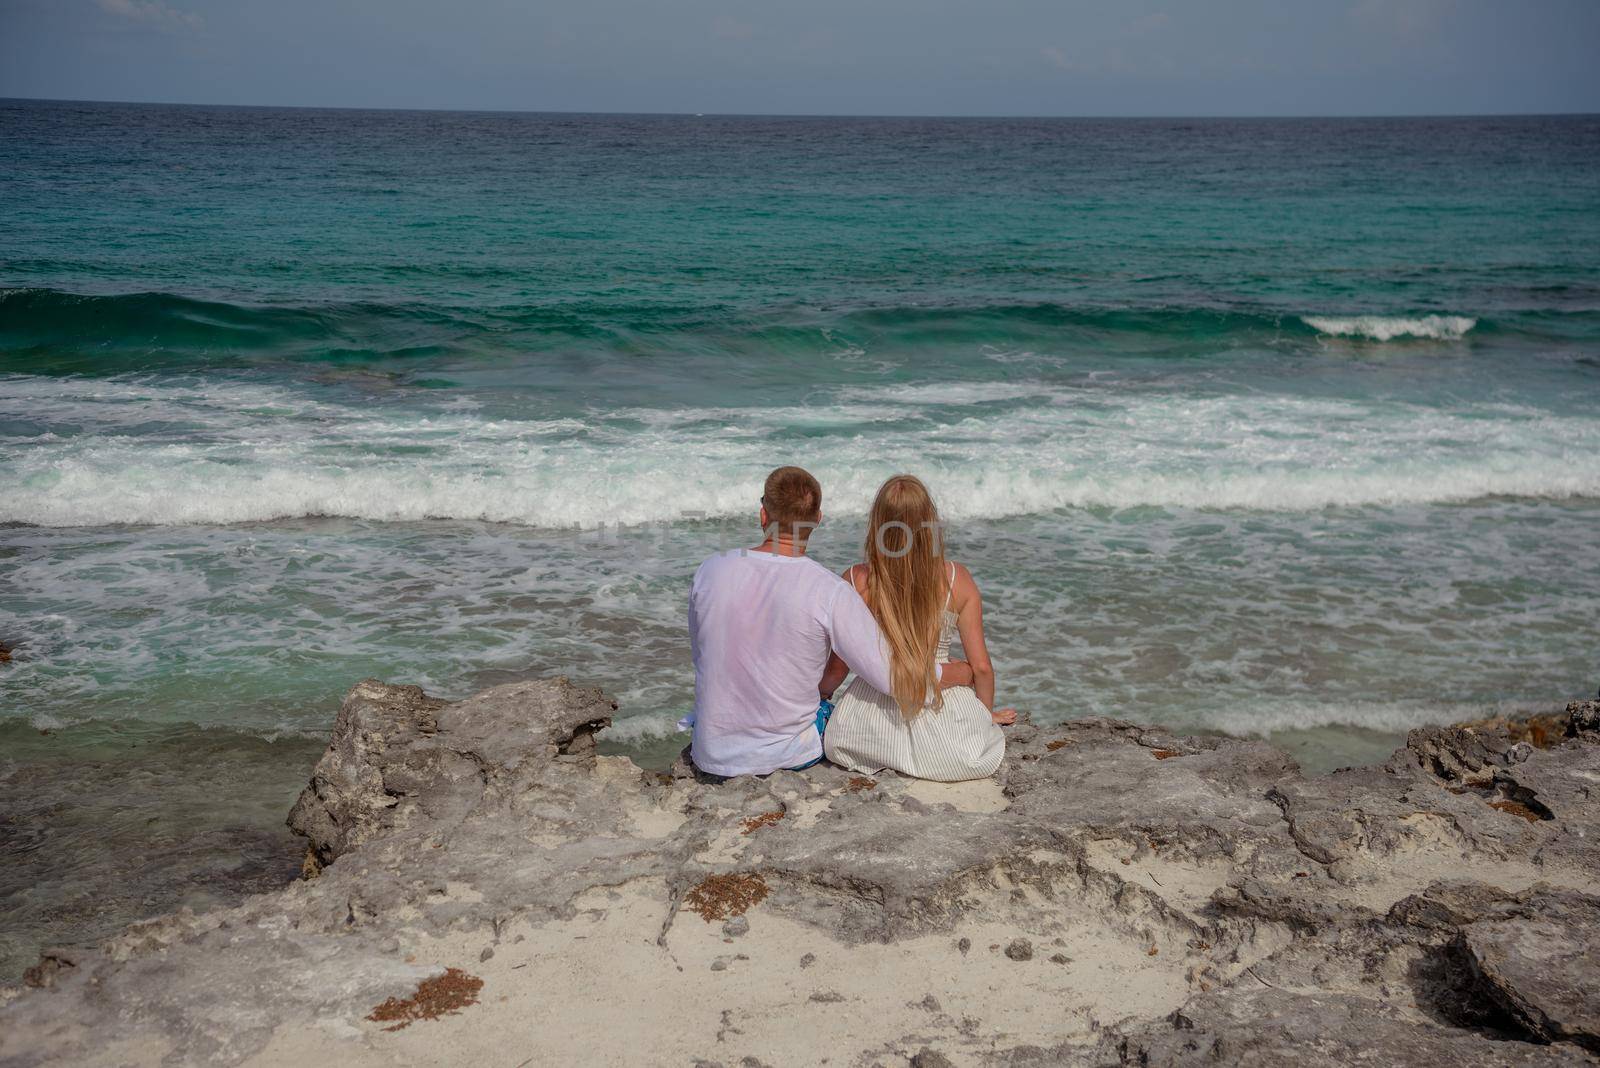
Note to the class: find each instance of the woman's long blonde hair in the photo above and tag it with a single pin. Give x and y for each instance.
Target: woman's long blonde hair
(906, 582)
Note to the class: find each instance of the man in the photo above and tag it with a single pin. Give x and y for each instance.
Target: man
(762, 622)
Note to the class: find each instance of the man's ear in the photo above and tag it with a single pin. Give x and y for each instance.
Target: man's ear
(765, 520)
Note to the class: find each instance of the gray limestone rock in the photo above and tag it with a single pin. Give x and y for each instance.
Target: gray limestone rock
(1268, 1028)
(1583, 716)
(398, 754)
(1375, 915)
(1539, 957)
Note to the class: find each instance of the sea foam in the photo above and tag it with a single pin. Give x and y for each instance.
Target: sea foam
(151, 452)
(1390, 327)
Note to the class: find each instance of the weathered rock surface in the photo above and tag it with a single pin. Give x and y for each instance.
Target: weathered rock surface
(399, 756)
(1117, 894)
(1536, 956)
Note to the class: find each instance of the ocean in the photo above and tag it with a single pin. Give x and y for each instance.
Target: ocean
(1284, 428)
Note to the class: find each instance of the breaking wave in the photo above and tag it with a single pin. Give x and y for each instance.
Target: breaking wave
(1390, 327)
(156, 452)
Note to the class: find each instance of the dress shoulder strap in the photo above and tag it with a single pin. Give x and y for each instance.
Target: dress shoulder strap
(850, 577)
(950, 586)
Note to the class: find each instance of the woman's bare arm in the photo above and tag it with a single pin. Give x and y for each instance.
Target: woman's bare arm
(968, 603)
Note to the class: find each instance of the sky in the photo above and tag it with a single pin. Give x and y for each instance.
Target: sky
(834, 57)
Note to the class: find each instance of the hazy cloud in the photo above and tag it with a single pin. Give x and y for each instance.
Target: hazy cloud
(1404, 20)
(149, 11)
(1156, 20)
(728, 29)
(1004, 57)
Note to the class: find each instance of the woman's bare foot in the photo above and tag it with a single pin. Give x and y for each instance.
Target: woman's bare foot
(1004, 717)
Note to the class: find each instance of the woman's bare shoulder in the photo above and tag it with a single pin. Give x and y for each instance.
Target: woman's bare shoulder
(965, 587)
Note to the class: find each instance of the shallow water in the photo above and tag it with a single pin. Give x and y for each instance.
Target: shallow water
(1279, 428)
(106, 823)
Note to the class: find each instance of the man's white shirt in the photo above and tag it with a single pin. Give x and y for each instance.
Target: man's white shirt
(761, 627)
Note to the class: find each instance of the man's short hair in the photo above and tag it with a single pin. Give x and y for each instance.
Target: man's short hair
(792, 498)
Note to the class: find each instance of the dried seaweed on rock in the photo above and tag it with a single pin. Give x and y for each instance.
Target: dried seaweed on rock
(719, 897)
(443, 995)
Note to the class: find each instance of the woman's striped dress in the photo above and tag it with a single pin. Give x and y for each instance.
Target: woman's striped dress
(867, 733)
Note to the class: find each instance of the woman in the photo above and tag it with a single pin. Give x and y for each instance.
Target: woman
(921, 602)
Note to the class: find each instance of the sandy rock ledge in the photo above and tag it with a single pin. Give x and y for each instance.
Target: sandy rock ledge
(1119, 895)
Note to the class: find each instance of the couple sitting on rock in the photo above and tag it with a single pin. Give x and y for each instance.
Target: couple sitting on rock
(775, 633)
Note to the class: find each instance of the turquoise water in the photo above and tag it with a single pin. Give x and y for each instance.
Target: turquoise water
(1284, 428)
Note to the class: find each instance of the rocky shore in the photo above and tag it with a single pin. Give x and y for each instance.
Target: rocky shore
(482, 887)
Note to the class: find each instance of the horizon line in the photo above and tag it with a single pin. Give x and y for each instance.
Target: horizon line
(800, 114)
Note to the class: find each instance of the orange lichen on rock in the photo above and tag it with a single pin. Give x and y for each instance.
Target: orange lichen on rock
(859, 783)
(1541, 730)
(766, 819)
(1164, 754)
(1059, 743)
(1516, 808)
(440, 996)
(720, 897)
